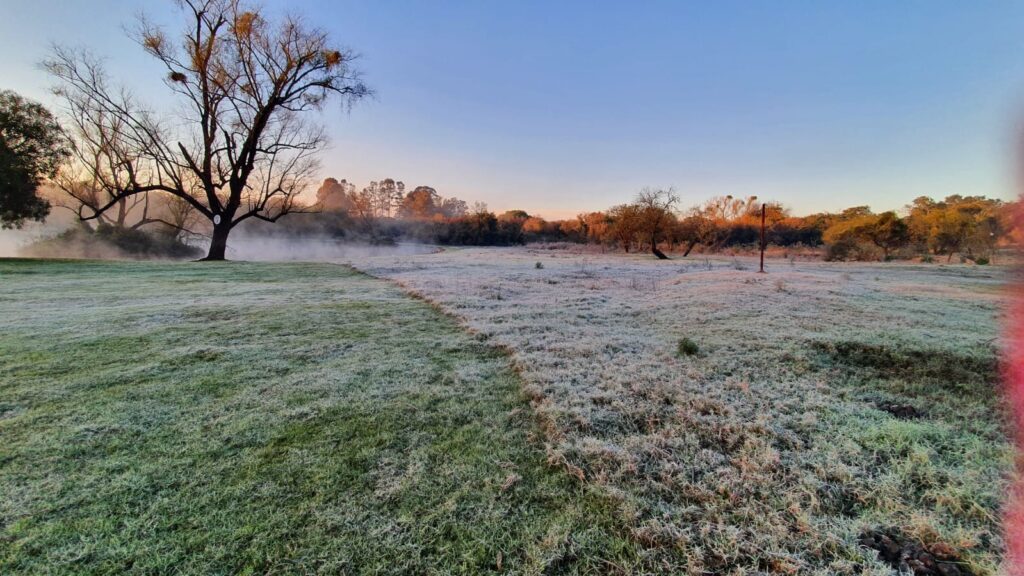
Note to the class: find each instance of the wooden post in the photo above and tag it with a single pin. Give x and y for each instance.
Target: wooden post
(761, 271)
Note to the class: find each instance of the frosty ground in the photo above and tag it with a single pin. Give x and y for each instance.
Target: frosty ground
(824, 403)
(242, 418)
(524, 411)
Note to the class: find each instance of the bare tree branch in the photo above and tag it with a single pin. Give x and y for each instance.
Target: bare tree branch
(244, 149)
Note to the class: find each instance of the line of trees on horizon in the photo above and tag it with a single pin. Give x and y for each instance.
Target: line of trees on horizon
(973, 227)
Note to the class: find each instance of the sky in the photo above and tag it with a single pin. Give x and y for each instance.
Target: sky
(563, 107)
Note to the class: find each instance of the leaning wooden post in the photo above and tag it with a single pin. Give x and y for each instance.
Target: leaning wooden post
(761, 271)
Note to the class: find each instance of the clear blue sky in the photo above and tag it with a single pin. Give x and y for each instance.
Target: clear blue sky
(559, 107)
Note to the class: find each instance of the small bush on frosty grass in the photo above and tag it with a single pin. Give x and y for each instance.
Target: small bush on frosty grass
(687, 347)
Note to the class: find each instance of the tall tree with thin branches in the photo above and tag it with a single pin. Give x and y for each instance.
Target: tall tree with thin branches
(241, 145)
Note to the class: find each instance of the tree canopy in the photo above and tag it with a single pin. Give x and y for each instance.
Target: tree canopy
(32, 147)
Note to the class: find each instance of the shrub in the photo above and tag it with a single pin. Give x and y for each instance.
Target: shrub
(111, 242)
(839, 250)
(687, 347)
(981, 261)
(539, 265)
(144, 244)
(848, 248)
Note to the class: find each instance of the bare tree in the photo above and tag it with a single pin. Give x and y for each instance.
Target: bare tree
(729, 208)
(656, 209)
(242, 148)
(709, 223)
(104, 160)
(363, 210)
(181, 216)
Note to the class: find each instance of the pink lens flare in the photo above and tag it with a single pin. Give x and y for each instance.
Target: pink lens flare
(1013, 376)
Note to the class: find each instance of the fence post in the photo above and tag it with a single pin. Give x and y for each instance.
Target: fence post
(761, 271)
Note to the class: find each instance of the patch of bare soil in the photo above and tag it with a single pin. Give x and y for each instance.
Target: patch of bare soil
(901, 410)
(909, 556)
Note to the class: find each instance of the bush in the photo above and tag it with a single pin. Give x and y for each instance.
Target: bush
(981, 261)
(539, 265)
(112, 242)
(848, 248)
(687, 347)
(145, 244)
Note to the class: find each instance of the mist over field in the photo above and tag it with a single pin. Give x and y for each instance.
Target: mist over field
(14, 242)
(284, 249)
(31, 242)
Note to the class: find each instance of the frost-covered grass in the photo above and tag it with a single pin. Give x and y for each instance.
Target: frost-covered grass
(269, 418)
(823, 400)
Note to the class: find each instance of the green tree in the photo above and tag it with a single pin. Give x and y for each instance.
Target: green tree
(888, 232)
(32, 147)
(625, 224)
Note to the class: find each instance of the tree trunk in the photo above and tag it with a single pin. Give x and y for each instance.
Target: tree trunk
(122, 212)
(689, 247)
(655, 251)
(219, 243)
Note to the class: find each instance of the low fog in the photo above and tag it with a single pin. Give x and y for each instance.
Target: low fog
(283, 249)
(14, 242)
(26, 243)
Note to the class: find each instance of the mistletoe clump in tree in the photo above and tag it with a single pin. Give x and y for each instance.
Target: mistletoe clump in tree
(240, 146)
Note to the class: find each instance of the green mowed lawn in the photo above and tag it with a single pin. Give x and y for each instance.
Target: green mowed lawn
(268, 418)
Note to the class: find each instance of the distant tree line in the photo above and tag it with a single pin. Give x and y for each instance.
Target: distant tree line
(971, 227)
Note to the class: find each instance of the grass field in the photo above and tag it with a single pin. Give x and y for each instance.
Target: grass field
(576, 414)
(269, 418)
(747, 423)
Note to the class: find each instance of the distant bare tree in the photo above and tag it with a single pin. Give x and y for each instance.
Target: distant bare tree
(728, 208)
(240, 148)
(391, 193)
(709, 223)
(656, 214)
(363, 210)
(453, 207)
